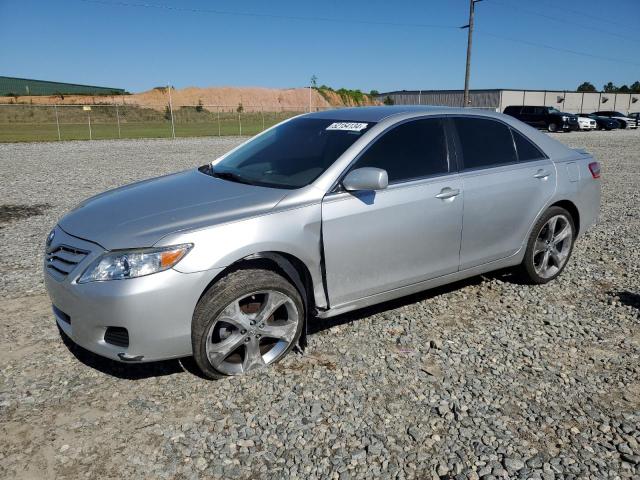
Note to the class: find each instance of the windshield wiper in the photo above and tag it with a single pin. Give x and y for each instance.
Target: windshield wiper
(233, 177)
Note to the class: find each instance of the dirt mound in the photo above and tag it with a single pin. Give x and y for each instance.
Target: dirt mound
(251, 98)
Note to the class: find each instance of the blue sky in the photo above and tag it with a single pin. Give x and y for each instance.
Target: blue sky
(137, 48)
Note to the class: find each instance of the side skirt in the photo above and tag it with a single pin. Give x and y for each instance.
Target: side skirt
(511, 261)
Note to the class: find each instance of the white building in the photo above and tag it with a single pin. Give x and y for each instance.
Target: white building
(499, 99)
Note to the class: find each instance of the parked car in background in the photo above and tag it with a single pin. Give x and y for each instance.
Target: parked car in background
(624, 120)
(635, 116)
(586, 123)
(548, 118)
(320, 215)
(602, 123)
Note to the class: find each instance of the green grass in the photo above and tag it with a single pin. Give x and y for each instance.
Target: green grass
(41, 128)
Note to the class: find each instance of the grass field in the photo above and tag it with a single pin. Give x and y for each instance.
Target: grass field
(38, 125)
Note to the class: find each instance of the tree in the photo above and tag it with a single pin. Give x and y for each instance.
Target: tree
(389, 101)
(635, 87)
(624, 89)
(200, 106)
(586, 87)
(314, 81)
(610, 88)
(240, 108)
(167, 113)
(374, 93)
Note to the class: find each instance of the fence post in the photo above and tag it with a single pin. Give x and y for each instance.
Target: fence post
(55, 108)
(173, 127)
(240, 122)
(89, 117)
(218, 111)
(262, 113)
(118, 120)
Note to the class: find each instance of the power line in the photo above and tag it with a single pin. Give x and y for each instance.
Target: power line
(115, 3)
(559, 49)
(564, 21)
(593, 17)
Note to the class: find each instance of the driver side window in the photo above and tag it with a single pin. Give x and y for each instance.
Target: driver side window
(409, 151)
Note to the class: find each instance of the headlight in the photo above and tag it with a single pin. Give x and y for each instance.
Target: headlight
(123, 264)
(565, 118)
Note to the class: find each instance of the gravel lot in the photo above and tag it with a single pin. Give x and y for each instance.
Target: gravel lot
(482, 379)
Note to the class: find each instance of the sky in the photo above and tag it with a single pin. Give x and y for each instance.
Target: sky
(364, 44)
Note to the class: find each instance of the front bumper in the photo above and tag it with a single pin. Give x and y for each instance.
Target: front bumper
(156, 310)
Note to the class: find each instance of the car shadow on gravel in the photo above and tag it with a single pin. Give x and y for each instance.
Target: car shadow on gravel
(129, 371)
(627, 298)
(320, 324)
(507, 275)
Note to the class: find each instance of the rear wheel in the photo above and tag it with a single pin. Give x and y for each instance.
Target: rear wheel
(549, 247)
(248, 320)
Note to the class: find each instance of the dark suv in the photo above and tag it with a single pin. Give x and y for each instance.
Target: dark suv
(548, 118)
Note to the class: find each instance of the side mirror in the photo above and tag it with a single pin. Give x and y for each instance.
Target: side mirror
(366, 178)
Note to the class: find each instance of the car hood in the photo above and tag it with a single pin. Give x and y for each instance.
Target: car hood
(140, 214)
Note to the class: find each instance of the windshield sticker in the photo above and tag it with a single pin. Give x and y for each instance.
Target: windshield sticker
(347, 126)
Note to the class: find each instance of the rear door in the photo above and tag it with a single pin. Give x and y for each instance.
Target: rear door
(507, 181)
(406, 233)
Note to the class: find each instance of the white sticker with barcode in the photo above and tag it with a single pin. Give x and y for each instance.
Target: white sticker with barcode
(347, 126)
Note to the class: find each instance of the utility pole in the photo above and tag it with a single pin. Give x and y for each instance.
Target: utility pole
(467, 73)
(312, 85)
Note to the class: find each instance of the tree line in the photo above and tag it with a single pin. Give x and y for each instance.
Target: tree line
(610, 88)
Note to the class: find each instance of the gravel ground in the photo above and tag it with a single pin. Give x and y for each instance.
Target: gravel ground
(481, 379)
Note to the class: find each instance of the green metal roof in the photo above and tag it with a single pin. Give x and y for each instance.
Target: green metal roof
(26, 86)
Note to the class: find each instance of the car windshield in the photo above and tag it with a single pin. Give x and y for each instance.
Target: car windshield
(617, 114)
(292, 154)
(554, 110)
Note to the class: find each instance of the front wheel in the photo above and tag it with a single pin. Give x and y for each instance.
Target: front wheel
(549, 247)
(249, 319)
(552, 127)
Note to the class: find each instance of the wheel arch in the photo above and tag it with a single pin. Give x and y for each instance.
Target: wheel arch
(289, 266)
(570, 207)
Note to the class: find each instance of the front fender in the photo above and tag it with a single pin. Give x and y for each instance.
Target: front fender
(296, 232)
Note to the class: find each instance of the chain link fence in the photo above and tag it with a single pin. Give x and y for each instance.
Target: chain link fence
(29, 123)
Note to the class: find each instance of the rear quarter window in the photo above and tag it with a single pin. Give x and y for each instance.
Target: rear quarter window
(526, 150)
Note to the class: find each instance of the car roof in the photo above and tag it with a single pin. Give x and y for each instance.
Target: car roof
(378, 113)
(549, 145)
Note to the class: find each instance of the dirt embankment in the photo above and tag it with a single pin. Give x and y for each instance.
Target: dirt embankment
(251, 98)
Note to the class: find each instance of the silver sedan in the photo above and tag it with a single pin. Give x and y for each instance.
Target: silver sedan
(319, 215)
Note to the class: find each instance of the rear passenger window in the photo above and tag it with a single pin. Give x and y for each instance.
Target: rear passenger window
(526, 150)
(411, 150)
(485, 142)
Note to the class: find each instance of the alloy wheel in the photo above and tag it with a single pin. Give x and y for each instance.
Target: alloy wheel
(252, 332)
(552, 246)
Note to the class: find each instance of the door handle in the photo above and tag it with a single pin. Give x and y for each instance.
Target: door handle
(448, 193)
(542, 175)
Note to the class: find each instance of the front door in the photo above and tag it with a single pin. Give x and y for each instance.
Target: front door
(406, 233)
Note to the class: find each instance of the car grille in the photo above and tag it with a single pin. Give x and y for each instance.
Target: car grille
(63, 259)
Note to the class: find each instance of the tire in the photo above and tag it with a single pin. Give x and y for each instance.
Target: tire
(232, 333)
(552, 127)
(554, 249)
(623, 125)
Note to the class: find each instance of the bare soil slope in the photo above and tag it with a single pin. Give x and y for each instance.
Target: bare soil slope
(251, 98)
